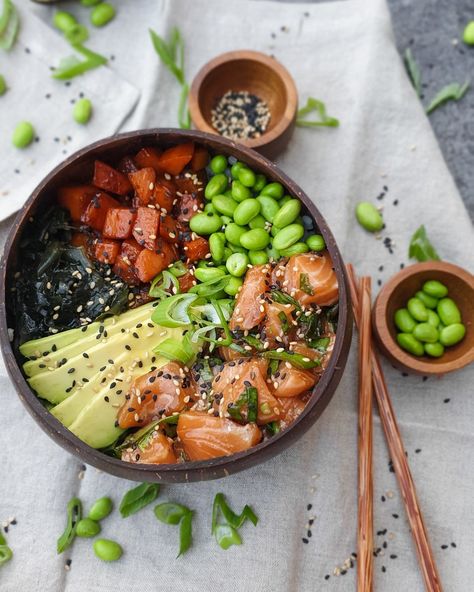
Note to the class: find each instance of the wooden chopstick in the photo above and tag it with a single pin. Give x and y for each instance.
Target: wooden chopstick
(400, 463)
(365, 530)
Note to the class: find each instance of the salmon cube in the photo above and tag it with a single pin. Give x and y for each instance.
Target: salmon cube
(143, 182)
(187, 206)
(196, 249)
(95, 213)
(148, 157)
(76, 198)
(109, 179)
(146, 227)
(200, 158)
(125, 271)
(119, 223)
(150, 263)
(168, 229)
(130, 250)
(173, 160)
(106, 251)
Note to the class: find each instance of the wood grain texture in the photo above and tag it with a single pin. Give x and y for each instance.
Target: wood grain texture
(400, 462)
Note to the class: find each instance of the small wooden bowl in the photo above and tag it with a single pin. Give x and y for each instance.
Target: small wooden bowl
(399, 290)
(258, 74)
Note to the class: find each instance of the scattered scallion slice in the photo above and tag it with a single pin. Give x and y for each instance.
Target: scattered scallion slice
(137, 498)
(315, 105)
(74, 514)
(451, 92)
(294, 359)
(225, 530)
(420, 246)
(5, 552)
(413, 71)
(184, 352)
(9, 25)
(71, 66)
(171, 513)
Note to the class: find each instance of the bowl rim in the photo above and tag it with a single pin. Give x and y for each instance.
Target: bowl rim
(193, 470)
(291, 107)
(389, 345)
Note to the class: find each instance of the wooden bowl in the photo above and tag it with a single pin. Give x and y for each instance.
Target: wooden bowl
(78, 168)
(258, 74)
(395, 294)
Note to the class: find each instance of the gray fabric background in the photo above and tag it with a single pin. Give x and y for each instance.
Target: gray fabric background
(344, 54)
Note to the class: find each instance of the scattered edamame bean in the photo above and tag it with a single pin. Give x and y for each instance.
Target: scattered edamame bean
(107, 550)
(288, 236)
(237, 264)
(246, 210)
(3, 85)
(204, 224)
(216, 246)
(100, 509)
(295, 249)
(410, 344)
(426, 333)
(435, 350)
(89, 2)
(64, 21)
(102, 14)
(368, 216)
(417, 310)
(87, 528)
(316, 242)
(433, 318)
(240, 192)
(452, 334)
(287, 213)
(257, 222)
(23, 134)
(255, 239)
(268, 206)
(448, 312)
(224, 204)
(233, 233)
(258, 257)
(216, 185)
(274, 190)
(218, 164)
(435, 289)
(206, 274)
(82, 111)
(260, 183)
(404, 321)
(427, 300)
(233, 286)
(468, 35)
(246, 177)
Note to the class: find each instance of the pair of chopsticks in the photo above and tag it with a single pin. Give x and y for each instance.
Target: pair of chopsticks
(371, 377)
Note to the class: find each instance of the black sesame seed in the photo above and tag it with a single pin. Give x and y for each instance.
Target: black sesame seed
(444, 546)
(395, 515)
(384, 569)
(106, 399)
(305, 541)
(393, 556)
(309, 506)
(71, 370)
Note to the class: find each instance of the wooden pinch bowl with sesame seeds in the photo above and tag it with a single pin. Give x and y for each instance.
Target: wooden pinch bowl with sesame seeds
(78, 168)
(258, 74)
(395, 294)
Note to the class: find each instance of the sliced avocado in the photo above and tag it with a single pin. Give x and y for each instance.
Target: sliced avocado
(82, 341)
(37, 348)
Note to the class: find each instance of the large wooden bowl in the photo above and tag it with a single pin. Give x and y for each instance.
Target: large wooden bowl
(258, 74)
(78, 168)
(395, 294)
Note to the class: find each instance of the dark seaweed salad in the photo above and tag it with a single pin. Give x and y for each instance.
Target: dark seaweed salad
(56, 286)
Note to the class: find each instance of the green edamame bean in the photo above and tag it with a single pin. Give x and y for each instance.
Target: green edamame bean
(224, 204)
(274, 230)
(452, 334)
(284, 200)
(468, 35)
(448, 312)
(77, 34)
(218, 164)
(435, 350)
(208, 274)
(233, 285)
(204, 264)
(268, 207)
(258, 257)
(210, 208)
(246, 210)
(207, 223)
(295, 249)
(417, 310)
(107, 550)
(287, 213)
(260, 183)
(235, 168)
(64, 21)
(3, 85)
(288, 236)
(240, 192)
(433, 318)
(89, 2)
(23, 134)
(233, 232)
(410, 344)
(226, 220)
(404, 321)
(216, 185)
(273, 254)
(82, 111)
(237, 264)
(102, 14)
(427, 300)
(257, 222)
(274, 190)
(316, 242)
(87, 528)
(237, 249)
(100, 509)
(246, 177)
(255, 239)
(426, 333)
(227, 253)
(435, 289)
(222, 268)
(216, 246)
(368, 216)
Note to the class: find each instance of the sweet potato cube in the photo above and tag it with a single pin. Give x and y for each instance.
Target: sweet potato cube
(143, 182)
(196, 249)
(109, 179)
(130, 250)
(151, 263)
(76, 198)
(119, 223)
(95, 213)
(174, 159)
(106, 251)
(146, 227)
(148, 157)
(200, 158)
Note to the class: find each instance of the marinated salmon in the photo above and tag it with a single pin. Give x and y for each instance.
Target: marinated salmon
(249, 311)
(158, 450)
(311, 279)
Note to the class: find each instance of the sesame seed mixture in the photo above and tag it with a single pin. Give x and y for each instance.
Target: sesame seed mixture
(240, 115)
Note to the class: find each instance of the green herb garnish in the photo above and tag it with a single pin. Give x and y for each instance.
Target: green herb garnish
(273, 427)
(225, 522)
(9, 25)
(421, 248)
(311, 106)
(170, 513)
(74, 514)
(285, 326)
(451, 92)
(413, 71)
(284, 298)
(320, 344)
(137, 498)
(305, 286)
(248, 399)
(71, 66)
(295, 359)
(5, 552)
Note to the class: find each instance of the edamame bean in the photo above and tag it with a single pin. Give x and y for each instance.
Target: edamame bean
(448, 312)
(274, 230)
(427, 300)
(246, 177)
(233, 285)
(64, 21)
(316, 242)
(284, 200)
(288, 236)
(89, 2)
(82, 111)
(210, 208)
(268, 207)
(233, 232)
(452, 334)
(100, 509)
(87, 528)
(368, 216)
(426, 333)
(274, 190)
(295, 249)
(102, 14)
(258, 257)
(207, 223)
(224, 204)
(287, 213)
(226, 220)
(468, 35)
(435, 289)
(246, 210)
(260, 183)
(77, 34)
(237, 249)
(216, 246)
(208, 274)
(404, 321)
(410, 344)
(237, 264)
(417, 310)
(240, 192)
(257, 222)
(23, 134)
(227, 253)
(216, 185)
(107, 550)
(273, 254)
(433, 318)
(435, 350)
(3, 85)
(234, 171)
(255, 239)
(218, 164)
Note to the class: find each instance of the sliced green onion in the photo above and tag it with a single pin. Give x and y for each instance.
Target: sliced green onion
(210, 288)
(226, 533)
(173, 311)
(163, 284)
(9, 25)
(295, 359)
(71, 66)
(183, 352)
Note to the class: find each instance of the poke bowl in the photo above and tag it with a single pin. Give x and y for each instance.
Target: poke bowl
(173, 307)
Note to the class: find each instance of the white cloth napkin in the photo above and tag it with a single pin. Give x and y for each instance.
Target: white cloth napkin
(342, 53)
